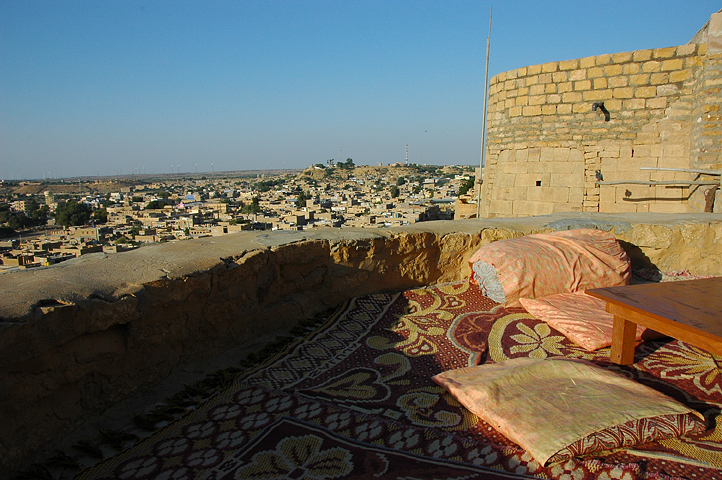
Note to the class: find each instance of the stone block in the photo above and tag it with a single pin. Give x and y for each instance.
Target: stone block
(641, 55)
(515, 111)
(531, 110)
(549, 109)
(568, 64)
(537, 100)
(651, 66)
(623, 92)
(512, 168)
(603, 59)
(665, 192)
(525, 180)
(587, 62)
(509, 193)
(554, 98)
(634, 104)
(500, 207)
(672, 64)
(618, 81)
(567, 179)
(600, 83)
(640, 79)
(645, 92)
(667, 90)
(607, 194)
(522, 100)
(564, 87)
(576, 75)
(559, 77)
(545, 78)
(667, 52)
(594, 95)
(669, 161)
(613, 105)
(576, 195)
(669, 207)
(659, 78)
(521, 72)
(612, 70)
(691, 62)
(564, 109)
(551, 88)
(546, 154)
(582, 85)
(571, 97)
(622, 57)
(631, 68)
(561, 154)
(687, 49)
(549, 67)
(533, 70)
(525, 207)
(617, 207)
(680, 75)
(521, 155)
(537, 89)
(534, 154)
(581, 108)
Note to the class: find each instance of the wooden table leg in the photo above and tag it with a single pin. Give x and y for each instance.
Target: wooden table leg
(623, 341)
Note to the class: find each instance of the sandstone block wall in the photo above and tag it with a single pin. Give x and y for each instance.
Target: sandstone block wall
(547, 147)
(80, 336)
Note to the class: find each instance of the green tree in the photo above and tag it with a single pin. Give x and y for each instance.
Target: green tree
(400, 181)
(72, 213)
(100, 215)
(466, 186)
(394, 191)
(253, 207)
(7, 232)
(302, 198)
(155, 204)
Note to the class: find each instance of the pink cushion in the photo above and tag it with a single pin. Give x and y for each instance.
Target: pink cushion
(581, 318)
(560, 407)
(539, 265)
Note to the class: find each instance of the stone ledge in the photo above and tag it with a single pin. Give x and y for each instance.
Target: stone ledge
(83, 335)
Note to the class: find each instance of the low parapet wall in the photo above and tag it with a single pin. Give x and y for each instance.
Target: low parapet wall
(80, 336)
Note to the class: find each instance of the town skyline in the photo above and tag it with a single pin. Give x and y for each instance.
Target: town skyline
(116, 89)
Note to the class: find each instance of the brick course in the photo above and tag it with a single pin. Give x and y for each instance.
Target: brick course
(664, 112)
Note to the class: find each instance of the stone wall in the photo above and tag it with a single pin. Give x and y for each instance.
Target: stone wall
(547, 147)
(80, 336)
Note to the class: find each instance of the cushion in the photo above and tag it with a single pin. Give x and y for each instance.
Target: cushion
(558, 407)
(545, 264)
(581, 318)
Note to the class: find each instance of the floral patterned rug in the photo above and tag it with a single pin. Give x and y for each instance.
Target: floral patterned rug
(355, 399)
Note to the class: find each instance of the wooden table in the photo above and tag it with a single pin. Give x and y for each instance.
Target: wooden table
(689, 310)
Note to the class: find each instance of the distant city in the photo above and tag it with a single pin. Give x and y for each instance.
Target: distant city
(46, 222)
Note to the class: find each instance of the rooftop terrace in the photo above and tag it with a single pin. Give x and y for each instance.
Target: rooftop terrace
(82, 336)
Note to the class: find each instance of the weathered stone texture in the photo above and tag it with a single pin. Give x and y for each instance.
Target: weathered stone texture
(664, 96)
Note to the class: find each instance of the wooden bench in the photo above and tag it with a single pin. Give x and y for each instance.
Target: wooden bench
(690, 311)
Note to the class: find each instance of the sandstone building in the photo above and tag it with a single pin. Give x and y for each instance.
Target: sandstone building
(558, 131)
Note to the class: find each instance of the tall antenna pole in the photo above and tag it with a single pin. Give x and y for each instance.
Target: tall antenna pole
(483, 128)
(407, 154)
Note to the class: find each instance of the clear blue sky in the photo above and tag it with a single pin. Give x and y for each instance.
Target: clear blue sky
(104, 87)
